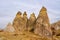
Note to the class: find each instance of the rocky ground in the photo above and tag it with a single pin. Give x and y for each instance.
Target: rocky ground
(24, 36)
(20, 36)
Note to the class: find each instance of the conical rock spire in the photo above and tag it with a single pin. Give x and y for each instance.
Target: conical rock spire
(42, 24)
(31, 22)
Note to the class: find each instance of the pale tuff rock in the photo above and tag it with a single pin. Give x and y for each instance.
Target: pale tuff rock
(24, 21)
(20, 21)
(9, 28)
(56, 28)
(31, 22)
(19, 14)
(17, 21)
(32, 28)
(43, 12)
(42, 24)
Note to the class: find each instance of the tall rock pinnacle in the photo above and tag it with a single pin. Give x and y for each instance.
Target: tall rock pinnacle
(24, 21)
(17, 21)
(20, 22)
(42, 23)
(31, 22)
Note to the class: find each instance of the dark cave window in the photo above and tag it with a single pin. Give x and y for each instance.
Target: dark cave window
(32, 30)
(58, 35)
(53, 33)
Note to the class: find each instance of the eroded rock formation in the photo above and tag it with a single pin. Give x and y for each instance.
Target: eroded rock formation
(20, 21)
(40, 26)
(31, 22)
(43, 27)
(9, 28)
(25, 19)
(17, 23)
(56, 28)
(33, 26)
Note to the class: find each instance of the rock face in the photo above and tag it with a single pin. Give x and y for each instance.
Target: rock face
(20, 21)
(42, 26)
(56, 28)
(17, 21)
(31, 22)
(9, 28)
(24, 21)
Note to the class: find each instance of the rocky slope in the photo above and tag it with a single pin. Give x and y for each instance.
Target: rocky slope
(22, 36)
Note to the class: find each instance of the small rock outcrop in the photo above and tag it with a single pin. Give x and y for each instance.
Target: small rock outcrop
(9, 28)
(56, 28)
(42, 26)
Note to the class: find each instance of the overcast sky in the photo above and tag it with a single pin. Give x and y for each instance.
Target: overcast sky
(9, 8)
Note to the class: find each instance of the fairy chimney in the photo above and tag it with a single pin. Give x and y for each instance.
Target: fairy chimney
(31, 22)
(17, 21)
(20, 21)
(42, 24)
(25, 21)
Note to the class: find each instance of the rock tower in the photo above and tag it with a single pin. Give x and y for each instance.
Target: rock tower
(42, 26)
